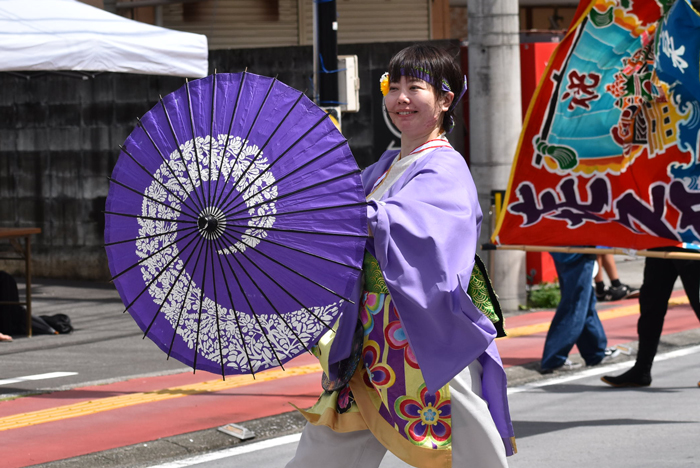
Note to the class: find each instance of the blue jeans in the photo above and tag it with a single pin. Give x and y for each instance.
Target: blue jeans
(576, 321)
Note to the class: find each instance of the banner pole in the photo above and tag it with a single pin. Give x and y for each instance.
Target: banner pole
(597, 251)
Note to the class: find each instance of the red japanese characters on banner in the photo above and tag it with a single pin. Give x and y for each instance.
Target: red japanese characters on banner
(608, 155)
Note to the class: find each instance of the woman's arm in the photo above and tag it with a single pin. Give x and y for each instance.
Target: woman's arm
(425, 237)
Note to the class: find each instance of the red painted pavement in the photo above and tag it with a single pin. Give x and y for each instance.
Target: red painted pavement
(525, 349)
(150, 421)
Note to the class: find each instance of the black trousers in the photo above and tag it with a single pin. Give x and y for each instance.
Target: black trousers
(659, 276)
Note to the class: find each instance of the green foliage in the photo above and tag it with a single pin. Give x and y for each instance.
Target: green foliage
(546, 296)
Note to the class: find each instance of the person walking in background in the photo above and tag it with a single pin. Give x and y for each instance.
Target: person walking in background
(576, 321)
(617, 290)
(660, 275)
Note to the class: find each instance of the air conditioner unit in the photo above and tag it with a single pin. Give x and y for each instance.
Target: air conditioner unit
(348, 83)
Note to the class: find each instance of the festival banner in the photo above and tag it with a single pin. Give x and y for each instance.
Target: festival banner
(608, 155)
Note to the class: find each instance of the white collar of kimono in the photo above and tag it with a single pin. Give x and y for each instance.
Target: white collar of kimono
(438, 142)
(400, 165)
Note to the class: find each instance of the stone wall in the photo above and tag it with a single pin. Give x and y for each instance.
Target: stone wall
(59, 137)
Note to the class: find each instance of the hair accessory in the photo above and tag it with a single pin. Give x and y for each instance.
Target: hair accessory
(450, 124)
(423, 74)
(464, 90)
(384, 83)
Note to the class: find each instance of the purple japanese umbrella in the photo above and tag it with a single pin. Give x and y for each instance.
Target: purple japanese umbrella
(235, 223)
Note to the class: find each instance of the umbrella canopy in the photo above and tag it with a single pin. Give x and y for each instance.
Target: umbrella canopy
(49, 35)
(609, 152)
(235, 223)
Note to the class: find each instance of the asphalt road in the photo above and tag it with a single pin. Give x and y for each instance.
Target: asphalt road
(106, 345)
(567, 422)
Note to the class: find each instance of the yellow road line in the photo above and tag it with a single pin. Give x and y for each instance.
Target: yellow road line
(110, 403)
(604, 315)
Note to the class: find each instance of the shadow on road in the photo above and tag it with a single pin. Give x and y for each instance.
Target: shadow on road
(533, 428)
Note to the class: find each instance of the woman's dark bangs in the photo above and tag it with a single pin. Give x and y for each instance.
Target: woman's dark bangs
(408, 62)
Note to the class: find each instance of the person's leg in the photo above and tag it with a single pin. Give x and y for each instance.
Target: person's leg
(659, 277)
(475, 439)
(321, 447)
(689, 271)
(599, 276)
(690, 275)
(569, 319)
(599, 279)
(592, 342)
(608, 263)
(657, 285)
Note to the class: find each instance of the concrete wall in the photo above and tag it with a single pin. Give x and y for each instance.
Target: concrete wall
(58, 143)
(59, 138)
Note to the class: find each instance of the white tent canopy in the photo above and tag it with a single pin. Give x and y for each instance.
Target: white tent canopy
(43, 35)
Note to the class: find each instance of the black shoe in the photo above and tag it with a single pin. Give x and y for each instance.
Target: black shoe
(602, 295)
(631, 292)
(616, 293)
(631, 378)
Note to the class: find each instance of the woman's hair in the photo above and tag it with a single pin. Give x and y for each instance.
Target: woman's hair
(425, 61)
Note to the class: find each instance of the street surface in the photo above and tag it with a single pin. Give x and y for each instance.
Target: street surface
(102, 397)
(106, 345)
(571, 422)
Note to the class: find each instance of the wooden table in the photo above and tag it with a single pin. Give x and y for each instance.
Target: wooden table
(24, 253)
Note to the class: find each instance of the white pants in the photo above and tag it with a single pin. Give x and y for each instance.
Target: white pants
(475, 439)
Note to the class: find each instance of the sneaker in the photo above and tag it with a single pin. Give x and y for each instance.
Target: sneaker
(568, 365)
(631, 292)
(610, 354)
(617, 293)
(601, 296)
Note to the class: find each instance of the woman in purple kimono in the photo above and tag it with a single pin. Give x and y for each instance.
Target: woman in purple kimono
(430, 386)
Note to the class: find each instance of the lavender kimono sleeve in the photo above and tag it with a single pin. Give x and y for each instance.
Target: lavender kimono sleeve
(426, 229)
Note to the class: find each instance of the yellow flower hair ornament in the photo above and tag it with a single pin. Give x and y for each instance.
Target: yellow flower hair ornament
(384, 83)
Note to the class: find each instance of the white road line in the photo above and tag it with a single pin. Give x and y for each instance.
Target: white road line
(295, 437)
(232, 452)
(50, 375)
(599, 370)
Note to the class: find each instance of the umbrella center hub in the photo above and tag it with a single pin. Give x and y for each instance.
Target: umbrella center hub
(208, 223)
(211, 223)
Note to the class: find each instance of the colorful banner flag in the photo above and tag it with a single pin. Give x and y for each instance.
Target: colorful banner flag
(608, 155)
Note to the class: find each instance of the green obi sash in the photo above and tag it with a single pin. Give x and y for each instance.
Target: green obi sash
(374, 279)
(480, 288)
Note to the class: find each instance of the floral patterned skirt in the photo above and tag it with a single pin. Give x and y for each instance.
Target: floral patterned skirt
(387, 392)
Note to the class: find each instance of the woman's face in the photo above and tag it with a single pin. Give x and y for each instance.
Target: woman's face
(414, 107)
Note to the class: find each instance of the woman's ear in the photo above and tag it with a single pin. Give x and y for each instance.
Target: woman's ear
(447, 99)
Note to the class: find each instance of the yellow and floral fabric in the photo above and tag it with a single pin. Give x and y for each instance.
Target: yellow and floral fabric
(387, 393)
